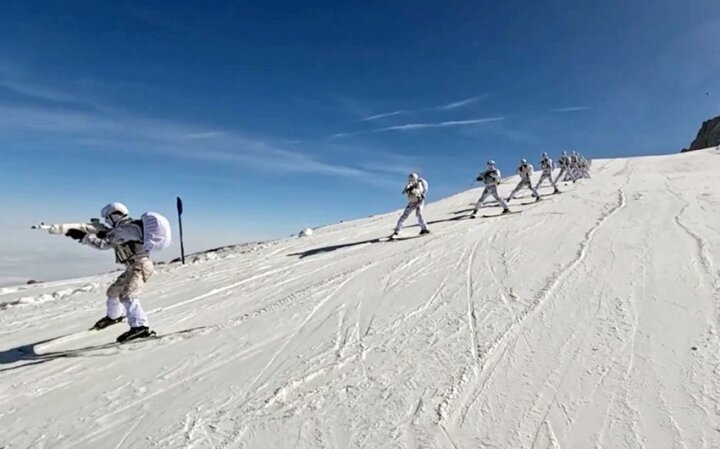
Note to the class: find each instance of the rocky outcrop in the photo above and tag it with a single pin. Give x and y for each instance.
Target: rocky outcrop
(708, 136)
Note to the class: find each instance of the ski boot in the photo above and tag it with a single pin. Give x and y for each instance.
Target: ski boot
(134, 333)
(506, 211)
(424, 231)
(105, 322)
(537, 198)
(556, 191)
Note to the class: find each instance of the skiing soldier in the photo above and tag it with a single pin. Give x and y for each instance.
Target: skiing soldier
(547, 168)
(415, 189)
(491, 179)
(126, 237)
(525, 170)
(583, 166)
(564, 162)
(575, 166)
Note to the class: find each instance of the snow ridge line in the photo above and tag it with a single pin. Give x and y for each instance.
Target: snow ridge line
(544, 294)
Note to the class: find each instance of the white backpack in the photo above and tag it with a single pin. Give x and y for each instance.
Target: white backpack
(157, 233)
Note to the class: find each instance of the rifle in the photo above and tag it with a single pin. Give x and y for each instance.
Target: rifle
(93, 227)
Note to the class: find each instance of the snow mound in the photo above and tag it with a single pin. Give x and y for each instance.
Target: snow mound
(45, 297)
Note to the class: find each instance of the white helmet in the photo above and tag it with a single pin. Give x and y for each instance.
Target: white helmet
(545, 155)
(564, 153)
(523, 161)
(413, 177)
(111, 211)
(491, 163)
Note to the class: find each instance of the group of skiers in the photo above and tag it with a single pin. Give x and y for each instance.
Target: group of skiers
(132, 240)
(573, 166)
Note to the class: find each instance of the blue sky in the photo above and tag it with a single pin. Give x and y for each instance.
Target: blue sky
(267, 117)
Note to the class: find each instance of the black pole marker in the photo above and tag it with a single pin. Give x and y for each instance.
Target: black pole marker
(182, 244)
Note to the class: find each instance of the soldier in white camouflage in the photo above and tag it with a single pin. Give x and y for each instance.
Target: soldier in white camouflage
(490, 178)
(125, 237)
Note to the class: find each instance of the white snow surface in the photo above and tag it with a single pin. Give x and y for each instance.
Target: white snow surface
(589, 320)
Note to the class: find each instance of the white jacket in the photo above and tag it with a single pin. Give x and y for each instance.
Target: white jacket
(547, 165)
(126, 238)
(490, 177)
(525, 172)
(416, 191)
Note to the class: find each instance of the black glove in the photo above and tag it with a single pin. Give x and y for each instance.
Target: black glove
(479, 178)
(75, 234)
(102, 234)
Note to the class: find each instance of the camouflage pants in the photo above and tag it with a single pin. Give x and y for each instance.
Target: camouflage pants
(132, 281)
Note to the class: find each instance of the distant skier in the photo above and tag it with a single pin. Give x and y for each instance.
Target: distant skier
(491, 178)
(564, 162)
(547, 168)
(126, 238)
(575, 165)
(525, 170)
(583, 166)
(416, 189)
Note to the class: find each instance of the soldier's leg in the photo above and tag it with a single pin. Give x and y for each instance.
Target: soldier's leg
(115, 310)
(516, 190)
(533, 190)
(502, 202)
(419, 213)
(483, 197)
(406, 213)
(141, 272)
(554, 184)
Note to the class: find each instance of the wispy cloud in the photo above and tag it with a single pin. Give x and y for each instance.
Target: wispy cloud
(383, 115)
(204, 135)
(118, 130)
(571, 109)
(36, 91)
(417, 126)
(461, 103)
(414, 126)
(443, 107)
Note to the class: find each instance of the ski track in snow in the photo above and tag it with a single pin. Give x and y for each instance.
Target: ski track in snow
(510, 333)
(569, 325)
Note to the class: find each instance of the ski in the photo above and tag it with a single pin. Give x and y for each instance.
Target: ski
(500, 215)
(45, 349)
(398, 238)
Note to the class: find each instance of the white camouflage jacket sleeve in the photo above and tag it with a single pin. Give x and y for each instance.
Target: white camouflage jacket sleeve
(122, 234)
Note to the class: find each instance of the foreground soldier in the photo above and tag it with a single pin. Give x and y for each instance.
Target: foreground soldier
(132, 246)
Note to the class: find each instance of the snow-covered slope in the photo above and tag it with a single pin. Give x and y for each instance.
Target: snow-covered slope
(588, 320)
